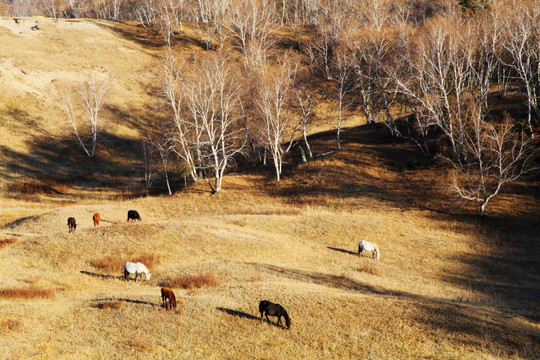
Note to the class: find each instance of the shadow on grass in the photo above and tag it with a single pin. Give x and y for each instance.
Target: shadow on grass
(507, 274)
(54, 166)
(342, 250)
(475, 324)
(130, 301)
(103, 276)
(244, 315)
(238, 313)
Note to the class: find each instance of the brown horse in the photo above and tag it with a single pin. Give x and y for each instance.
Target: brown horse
(167, 295)
(96, 217)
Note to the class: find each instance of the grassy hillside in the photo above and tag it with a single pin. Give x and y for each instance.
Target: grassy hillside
(448, 285)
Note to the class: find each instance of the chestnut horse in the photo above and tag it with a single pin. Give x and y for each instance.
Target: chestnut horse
(167, 295)
(96, 217)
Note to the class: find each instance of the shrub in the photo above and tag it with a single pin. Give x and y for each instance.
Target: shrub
(194, 281)
(7, 242)
(41, 186)
(369, 269)
(117, 304)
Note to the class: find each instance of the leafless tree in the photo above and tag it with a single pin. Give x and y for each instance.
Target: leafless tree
(522, 39)
(343, 74)
(326, 38)
(270, 99)
(204, 100)
(210, 17)
(149, 161)
(75, 7)
(437, 78)
(214, 101)
(145, 11)
(163, 146)
(92, 92)
(371, 49)
(490, 156)
(307, 92)
(186, 138)
(251, 19)
(50, 7)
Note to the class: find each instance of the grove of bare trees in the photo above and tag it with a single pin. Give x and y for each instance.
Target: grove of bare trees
(429, 70)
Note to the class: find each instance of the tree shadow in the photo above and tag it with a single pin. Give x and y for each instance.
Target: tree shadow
(507, 275)
(139, 34)
(467, 321)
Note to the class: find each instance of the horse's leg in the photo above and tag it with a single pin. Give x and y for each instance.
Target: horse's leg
(279, 320)
(267, 319)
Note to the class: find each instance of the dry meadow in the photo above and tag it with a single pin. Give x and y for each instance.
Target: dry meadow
(448, 284)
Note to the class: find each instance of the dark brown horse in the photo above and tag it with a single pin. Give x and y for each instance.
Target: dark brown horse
(167, 295)
(270, 309)
(133, 215)
(72, 224)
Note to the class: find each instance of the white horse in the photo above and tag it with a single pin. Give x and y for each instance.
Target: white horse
(135, 268)
(369, 246)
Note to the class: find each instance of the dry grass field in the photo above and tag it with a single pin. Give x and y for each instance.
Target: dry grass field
(448, 284)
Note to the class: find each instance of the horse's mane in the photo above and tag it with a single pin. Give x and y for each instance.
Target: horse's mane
(285, 315)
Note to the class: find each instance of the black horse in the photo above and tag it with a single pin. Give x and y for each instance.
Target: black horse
(133, 215)
(72, 224)
(268, 308)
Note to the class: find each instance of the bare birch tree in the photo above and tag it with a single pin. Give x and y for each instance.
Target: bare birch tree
(490, 157)
(270, 99)
(185, 138)
(343, 71)
(522, 43)
(251, 19)
(213, 98)
(92, 94)
(205, 105)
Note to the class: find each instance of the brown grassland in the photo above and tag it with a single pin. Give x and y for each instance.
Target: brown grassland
(448, 284)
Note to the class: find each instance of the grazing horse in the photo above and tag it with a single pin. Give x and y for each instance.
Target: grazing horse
(72, 224)
(96, 217)
(135, 268)
(167, 295)
(369, 246)
(133, 215)
(268, 308)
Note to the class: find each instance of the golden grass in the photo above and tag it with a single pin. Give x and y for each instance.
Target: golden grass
(114, 263)
(27, 293)
(8, 325)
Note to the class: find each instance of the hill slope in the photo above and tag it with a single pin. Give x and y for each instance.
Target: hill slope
(447, 285)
